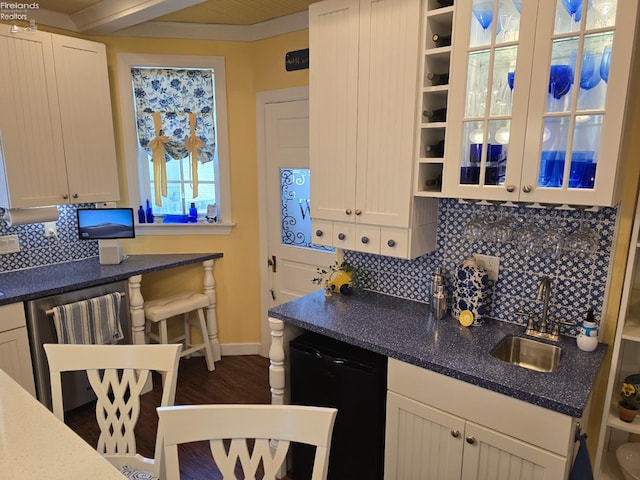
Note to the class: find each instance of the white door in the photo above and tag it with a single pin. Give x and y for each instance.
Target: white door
(292, 257)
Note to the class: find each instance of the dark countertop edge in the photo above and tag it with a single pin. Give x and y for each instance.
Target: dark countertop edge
(138, 264)
(516, 394)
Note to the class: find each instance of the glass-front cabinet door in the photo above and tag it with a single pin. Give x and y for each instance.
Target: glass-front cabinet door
(543, 88)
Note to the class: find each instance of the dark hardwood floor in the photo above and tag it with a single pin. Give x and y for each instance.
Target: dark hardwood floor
(236, 379)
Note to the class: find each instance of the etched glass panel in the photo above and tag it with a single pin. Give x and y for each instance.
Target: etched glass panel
(295, 209)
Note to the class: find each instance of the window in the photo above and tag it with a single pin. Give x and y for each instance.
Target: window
(175, 134)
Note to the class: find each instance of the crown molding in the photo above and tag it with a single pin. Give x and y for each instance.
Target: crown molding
(198, 31)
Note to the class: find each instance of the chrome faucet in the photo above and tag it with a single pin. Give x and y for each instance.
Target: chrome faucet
(544, 292)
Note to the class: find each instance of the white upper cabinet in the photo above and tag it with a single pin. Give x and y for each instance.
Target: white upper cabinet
(363, 79)
(538, 94)
(56, 125)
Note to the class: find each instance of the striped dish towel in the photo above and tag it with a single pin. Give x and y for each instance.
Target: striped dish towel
(92, 321)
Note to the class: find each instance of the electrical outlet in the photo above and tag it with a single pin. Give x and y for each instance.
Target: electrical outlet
(9, 244)
(50, 229)
(490, 264)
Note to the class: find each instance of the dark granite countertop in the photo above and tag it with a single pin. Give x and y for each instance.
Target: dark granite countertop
(40, 282)
(405, 330)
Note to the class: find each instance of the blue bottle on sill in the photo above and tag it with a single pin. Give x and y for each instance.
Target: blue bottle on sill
(149, 212)
(141, 217)
(193, 213)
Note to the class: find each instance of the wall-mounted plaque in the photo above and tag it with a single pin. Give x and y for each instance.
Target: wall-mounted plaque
(297, 60)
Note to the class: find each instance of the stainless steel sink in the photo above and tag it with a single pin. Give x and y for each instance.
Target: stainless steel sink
(528, 353)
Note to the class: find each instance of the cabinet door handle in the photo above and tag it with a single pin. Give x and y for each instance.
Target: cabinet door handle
(455, 433)
(341, 236)
(358, 212)
(65, 196)
(391, 243)
(527, 189)
(319, 233)
(511, 188)
(348, 211)
(364, 240)
(75, 195)
(470, 440)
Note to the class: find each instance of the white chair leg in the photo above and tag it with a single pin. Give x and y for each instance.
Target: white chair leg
(205, 339)
(164, 337)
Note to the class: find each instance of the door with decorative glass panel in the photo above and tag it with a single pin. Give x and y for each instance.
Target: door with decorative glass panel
(539, 90)
(293, 258)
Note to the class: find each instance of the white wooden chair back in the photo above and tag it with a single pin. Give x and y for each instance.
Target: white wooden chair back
(117, 374)
(237, 423)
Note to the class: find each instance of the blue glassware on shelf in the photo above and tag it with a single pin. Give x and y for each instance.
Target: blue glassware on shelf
(560, 80)
(551, 168)
(511, 76)
(484, 13)
(589, 75)
(574, 8)
(518, 5)
(605, 62)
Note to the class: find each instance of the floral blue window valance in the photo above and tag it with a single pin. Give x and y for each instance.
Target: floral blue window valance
(175, 119)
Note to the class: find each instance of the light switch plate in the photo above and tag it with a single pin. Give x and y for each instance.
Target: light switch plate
(9, 244)
(490, 264)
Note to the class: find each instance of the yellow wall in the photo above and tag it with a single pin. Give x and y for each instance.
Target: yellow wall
(251, 67)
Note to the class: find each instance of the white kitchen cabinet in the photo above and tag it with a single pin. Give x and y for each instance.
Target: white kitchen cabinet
(625, 360)
(538, 100)
(15, 354)
(441, 428)
(362, 80)
(56, 127)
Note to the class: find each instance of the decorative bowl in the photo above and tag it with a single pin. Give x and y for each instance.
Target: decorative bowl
(628, 456)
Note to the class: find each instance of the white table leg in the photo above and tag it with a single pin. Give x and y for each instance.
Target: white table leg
(136, 310)
(212, 320)
(276, 358)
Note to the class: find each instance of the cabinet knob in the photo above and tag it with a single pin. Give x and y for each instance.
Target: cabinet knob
(470, 440)
(358, 212)
(511, 188)
(364, 240)
(319, 233)
(527, 189)
(455, 433)
(341, 236)
(65, 196)
(75, 195)
(391, 243)
(348, 211)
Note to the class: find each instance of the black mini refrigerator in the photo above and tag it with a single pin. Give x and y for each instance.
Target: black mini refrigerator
(329, 373)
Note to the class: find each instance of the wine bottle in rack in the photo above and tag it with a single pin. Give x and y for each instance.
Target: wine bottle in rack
(438, 78)
(437, 115)
(445, 3)
(435, 149)
(441, 40)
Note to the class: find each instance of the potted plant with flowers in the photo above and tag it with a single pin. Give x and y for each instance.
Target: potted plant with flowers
(341, 277)
(629, 404)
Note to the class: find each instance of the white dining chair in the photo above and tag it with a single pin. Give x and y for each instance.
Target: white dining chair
(117, 374)
(272, 427)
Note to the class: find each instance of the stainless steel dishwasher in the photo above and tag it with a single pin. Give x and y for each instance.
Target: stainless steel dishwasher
(75, 386)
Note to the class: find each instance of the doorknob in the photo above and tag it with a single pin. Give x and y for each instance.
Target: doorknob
(272, 263)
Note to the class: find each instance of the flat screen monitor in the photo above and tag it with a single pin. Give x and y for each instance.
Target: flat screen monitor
(105, 223)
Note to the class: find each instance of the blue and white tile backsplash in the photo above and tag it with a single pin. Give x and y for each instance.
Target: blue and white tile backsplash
(577, 283)
(36, 250)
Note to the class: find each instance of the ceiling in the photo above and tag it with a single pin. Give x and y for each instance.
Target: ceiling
(110, 16)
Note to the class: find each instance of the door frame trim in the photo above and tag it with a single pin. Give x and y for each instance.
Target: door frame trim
(262, 99)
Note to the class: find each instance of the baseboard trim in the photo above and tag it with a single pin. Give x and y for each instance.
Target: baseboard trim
(240, 349)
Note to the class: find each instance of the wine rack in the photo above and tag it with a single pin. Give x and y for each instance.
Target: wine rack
(433, 95)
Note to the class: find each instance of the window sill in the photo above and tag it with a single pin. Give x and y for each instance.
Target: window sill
(184, 228)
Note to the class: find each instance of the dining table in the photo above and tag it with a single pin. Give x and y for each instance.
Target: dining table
(34, 443)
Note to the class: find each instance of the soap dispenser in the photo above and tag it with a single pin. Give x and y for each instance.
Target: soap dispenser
(588, 338)
(436, 280)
